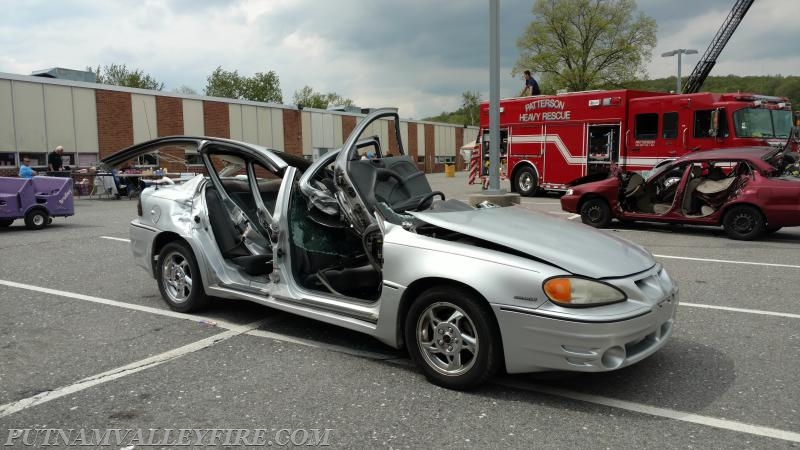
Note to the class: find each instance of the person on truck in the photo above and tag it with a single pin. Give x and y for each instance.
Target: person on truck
(531, 86)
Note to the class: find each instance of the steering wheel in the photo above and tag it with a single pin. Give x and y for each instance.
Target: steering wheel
(428, 197)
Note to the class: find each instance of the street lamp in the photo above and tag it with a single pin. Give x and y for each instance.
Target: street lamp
(679, 52)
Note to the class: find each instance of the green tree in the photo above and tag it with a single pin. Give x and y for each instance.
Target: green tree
(261, 87)
(120, 75)
(470, 107)
(585, 44)
(307, 97)
(184, 89)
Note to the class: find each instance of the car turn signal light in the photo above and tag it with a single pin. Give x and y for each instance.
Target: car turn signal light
(575, 292)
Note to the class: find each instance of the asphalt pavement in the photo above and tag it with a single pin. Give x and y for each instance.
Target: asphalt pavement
(87, 343)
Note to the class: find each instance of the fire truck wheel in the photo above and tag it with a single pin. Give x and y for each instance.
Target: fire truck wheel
(526, 182)
(595, 212)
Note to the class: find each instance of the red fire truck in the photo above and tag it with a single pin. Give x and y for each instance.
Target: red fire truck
(552, 141)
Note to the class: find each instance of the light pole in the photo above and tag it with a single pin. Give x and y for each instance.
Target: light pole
(678, 52)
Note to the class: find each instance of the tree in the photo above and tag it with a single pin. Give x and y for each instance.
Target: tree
(308, 98)
(470, 105)
(184, 89)
(585, 44)
(261, 87)
(120, 75)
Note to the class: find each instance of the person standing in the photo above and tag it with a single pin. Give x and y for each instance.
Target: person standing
(531, 86)
(54, 161)
(25, 170)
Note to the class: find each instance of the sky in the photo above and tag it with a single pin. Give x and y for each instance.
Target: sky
(416, 55)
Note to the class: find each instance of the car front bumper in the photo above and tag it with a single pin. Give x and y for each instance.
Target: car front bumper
(569, 203)
(533, 342)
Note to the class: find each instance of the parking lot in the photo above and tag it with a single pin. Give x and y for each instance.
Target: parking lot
(87, 343)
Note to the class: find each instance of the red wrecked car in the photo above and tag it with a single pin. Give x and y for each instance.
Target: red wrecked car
(747, 191)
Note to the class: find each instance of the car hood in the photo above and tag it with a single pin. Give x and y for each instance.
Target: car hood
(574, 247)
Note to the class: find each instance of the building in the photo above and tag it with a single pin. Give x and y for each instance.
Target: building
(93, 120)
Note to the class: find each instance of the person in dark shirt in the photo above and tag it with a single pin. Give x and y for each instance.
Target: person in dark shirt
(54, 162)
(531, 86)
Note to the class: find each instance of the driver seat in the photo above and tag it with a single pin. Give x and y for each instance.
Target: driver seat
(401, 196)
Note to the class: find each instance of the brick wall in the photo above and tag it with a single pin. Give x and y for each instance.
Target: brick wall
(430, 150)
(216, 121)
(412, 148)
(348, 124)
(114, 121)
(292, 132)
(392, 148)
(169, 122)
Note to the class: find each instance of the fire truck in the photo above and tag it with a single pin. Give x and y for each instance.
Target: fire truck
(550, 142)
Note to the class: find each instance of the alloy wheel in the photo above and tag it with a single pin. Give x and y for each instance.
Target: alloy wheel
(447, 338)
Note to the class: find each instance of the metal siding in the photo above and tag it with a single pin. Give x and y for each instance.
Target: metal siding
(235, 118)
(85, 112)
(264, 127)
(437, 140)
(143, 109)
(7, 139)
(420, 140)
(451, 141)
(338, 139)
(327, 126)
(305, 119)
(317, 131)
(249, 124)
(193, 118)
(59, 117)
(470, 135)
(277, 128)
(29, 116)
(384, 134)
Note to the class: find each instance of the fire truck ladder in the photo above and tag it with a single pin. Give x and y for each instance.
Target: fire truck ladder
(706, 63)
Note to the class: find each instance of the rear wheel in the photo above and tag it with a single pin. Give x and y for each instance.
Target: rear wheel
(179, 278)
(744, 223)
(452, 336)
(526, 182)
(36, 219)
(595, 212)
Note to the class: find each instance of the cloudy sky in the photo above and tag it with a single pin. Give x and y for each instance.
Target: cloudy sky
(418, 55)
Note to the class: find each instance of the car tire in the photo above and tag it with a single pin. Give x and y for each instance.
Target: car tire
(526, 183)
(744, 223)
(179, 278)
(5, 223)
(596, 213)
(455, 315)
(36, 219)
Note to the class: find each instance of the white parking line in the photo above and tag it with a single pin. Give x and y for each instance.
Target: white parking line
(115, 238)
(658, 412)
(749, 311)
(726, 261)
(119, 372)
(251, 329)
(573, 217)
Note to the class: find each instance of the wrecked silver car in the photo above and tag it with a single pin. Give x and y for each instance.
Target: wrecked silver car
(367, 245)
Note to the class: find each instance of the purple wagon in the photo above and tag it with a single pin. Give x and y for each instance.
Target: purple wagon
(37, 200)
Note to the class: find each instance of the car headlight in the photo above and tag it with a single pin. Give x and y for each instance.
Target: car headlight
(575, 292)
(569, 192)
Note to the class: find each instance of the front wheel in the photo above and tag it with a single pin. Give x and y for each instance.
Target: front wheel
(452, 336)
(526, 182)
(36, 219)
(179, 278)
(595, 212)
(743, 223)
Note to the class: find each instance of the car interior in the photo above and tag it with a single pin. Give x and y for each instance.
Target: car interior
(708, 186)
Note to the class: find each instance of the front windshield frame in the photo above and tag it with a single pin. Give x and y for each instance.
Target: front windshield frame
(762, 123)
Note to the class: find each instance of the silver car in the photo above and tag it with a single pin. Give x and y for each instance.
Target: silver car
(367, 245)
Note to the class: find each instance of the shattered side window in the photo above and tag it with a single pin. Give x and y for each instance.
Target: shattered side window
(313, 236)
